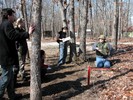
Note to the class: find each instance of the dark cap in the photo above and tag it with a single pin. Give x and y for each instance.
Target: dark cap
(7, 11)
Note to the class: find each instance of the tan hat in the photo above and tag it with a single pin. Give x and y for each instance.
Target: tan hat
(102, 37)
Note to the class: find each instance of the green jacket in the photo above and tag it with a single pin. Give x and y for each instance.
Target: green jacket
(104, 49)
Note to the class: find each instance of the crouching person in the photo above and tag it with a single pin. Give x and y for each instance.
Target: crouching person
(103, 50)
(43, 66)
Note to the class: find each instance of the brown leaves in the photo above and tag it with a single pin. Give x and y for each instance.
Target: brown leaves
(119, 81)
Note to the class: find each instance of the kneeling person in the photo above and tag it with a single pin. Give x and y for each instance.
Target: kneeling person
(102, 49)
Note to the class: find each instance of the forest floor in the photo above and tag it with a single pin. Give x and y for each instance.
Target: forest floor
(70, 81)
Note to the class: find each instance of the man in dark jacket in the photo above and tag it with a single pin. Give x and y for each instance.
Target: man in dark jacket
(8, 52)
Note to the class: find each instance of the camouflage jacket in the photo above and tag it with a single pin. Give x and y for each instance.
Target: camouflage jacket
(104, 49)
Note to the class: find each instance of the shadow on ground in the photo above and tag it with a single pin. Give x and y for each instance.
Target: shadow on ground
(73, 88)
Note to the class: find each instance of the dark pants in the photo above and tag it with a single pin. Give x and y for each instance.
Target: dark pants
(15, 72)
(6, 81)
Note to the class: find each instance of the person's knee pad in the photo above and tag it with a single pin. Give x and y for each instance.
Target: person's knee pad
(107, 64)
(100, 65)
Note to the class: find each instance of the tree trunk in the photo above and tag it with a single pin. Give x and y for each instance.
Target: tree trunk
(104, 17)
(120, 20)
(72, 33)
(113, 24)
(31, 6)
(24, 13)
(52, 25)
(83, 21)
(35, 83)
(127, 15)
(63, 9)
(79, 20)
(91, 18)
(115, 38)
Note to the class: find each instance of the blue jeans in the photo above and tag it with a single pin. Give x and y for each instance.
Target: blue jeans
(102, 62)
(63, 52)
(6, 81)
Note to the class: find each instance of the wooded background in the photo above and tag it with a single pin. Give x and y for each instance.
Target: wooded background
(84, 19)
(100, 17)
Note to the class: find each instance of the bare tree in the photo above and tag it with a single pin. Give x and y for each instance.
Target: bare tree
(52, 24)
(35, 83)
(72, 33)
(127, 15)
(30, 9)
(79, 20)
(83, 25)
(91, 17)
(63, 8)
(116, 24)
(120, 19)
(24, 13)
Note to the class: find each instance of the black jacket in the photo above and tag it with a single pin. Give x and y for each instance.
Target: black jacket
(60, 36)
(8, 36)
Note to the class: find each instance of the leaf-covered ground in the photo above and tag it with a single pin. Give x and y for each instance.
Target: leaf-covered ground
(70, 81)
